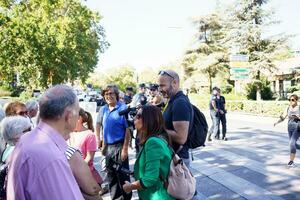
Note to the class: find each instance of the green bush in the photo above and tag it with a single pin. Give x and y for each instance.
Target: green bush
(265, 108)
(293, 88)
(235, 105)
(4, 92)
(266, 92)
(25, 96)
(16, 91)
(226, 89)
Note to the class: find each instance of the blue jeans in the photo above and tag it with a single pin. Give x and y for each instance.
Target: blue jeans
(293, 135)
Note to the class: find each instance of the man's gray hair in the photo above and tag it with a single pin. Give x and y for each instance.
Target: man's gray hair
(55, 100)
(32, 105)
(13, 126)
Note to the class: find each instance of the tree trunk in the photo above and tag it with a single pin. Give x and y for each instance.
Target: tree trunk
(258, 86)
(258, 93)
(210, 82)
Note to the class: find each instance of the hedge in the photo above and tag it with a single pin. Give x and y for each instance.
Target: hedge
(264, 108)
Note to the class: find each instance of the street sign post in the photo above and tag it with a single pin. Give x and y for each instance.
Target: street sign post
(239, 68)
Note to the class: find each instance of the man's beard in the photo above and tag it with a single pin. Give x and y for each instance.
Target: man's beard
(170, 92)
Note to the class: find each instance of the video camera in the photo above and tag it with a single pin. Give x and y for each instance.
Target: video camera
(112, 164)
(133, 110)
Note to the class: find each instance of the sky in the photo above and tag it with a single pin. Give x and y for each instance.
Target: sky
(153, 33)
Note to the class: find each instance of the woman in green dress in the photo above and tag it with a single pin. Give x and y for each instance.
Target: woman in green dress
(153, 162)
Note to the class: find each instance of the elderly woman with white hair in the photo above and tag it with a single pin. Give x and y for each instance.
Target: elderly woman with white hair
(12, 128)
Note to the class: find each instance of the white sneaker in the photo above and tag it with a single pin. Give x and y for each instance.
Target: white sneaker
(291, 164)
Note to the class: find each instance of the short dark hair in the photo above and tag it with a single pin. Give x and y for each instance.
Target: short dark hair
(114, 88)
(153, 87)
(129, 89)
(142, 85)
(55, 100)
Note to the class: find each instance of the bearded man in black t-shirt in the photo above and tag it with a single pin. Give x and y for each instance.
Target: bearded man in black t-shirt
(177, 113)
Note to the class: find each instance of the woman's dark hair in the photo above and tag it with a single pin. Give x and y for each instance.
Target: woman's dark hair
(295, 97)
(86, 118)
(153, 123)
(114, 88)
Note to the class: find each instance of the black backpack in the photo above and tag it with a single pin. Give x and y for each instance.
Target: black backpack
(198, 130)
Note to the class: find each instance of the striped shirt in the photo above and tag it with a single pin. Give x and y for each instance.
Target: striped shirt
(70, 151)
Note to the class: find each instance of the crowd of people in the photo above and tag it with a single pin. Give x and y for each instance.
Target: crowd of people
(48, 146)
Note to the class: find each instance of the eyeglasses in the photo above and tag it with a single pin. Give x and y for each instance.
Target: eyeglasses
(163, 73)
(109, 94)
(292, 100)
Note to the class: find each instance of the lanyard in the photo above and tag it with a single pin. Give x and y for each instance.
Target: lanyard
(165, 107)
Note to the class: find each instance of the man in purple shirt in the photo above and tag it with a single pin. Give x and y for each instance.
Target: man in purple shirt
(38, 166)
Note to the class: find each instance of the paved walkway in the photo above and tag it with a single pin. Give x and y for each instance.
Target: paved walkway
(250, 165)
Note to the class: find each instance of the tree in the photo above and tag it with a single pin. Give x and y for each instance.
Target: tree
(122, 77)
(147, 76)
(48, 42)
(248, 33)
(210, 55)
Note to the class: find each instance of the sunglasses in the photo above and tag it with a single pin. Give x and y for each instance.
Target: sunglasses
(164, 73)
(292, 100)
(22, 113)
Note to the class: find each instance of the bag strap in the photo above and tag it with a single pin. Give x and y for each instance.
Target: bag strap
(2, 162)
(164, 180)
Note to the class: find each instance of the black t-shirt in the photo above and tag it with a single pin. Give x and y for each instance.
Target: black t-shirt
(179, 109)
(220, 103)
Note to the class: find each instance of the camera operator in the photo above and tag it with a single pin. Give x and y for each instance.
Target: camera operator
(128, 95)
(139, 98)
(116, 138)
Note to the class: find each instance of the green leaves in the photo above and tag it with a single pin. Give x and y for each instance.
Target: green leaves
(238, 29)
(48, 42)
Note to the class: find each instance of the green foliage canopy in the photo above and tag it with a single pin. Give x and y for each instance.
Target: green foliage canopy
(47, 42)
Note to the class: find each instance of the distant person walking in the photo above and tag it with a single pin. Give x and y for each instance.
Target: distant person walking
(221, 115)
(214, 115)
(293, 114)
